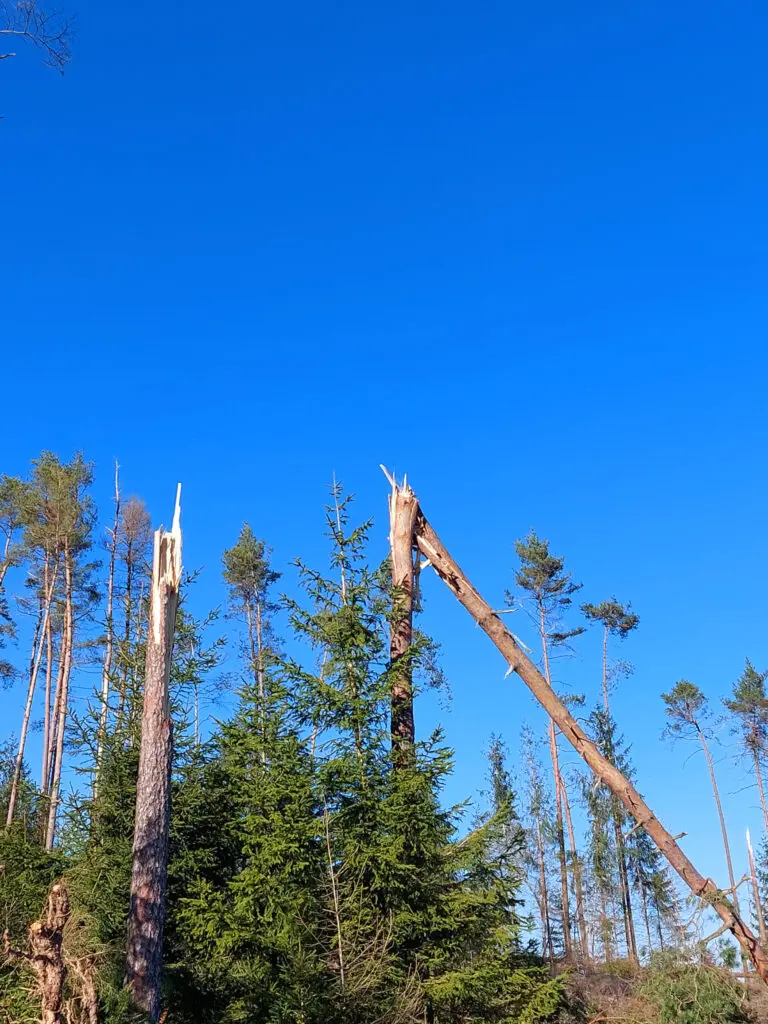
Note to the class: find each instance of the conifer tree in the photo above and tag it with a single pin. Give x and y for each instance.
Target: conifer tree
(688, 713)
(749, 706)
(542, 575)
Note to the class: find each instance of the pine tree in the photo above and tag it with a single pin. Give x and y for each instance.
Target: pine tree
(749, 706)
(542, 575)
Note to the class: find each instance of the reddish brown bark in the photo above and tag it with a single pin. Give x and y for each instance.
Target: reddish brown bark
(402, 518)
(448, 570)
(153, 790)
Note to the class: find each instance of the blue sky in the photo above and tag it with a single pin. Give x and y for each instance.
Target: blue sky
(518, 251)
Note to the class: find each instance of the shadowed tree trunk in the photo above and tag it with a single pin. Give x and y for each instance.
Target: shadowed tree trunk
(153, 789)
(518, 662)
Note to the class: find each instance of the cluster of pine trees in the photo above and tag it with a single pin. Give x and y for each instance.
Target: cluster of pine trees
(314, 872)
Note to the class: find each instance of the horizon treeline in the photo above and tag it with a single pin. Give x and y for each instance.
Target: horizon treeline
(315, 872)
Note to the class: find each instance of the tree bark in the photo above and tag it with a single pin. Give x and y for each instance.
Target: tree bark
(402, 518)
(626, 898)
(756, 893)
(153, 789)
(547, 947)
(759, 774)
(719, 806)
(518, 662)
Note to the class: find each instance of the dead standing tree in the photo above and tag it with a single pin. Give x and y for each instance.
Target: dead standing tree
(403, 508)
(153, 788)
(448, 570)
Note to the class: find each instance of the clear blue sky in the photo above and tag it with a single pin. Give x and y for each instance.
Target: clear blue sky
(516, 250)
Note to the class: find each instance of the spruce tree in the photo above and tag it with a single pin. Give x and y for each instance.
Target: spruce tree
(749, 706)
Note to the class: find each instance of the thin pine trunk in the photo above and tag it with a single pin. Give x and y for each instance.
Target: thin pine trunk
(47, 709)
(577, 879)
(756, 893)
(41, 628)
(546, 925)
(106, 671)
(626, 898)
(482, 613)
(558, 783)
(723, 830)
(605, 671)
(149, 869)
(63, 707)
(644, 902)
(126, 640)
(759, 774)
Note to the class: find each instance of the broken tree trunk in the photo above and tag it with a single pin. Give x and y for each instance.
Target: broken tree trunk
(45, 956)
(403, 508)
(447, 569)
(153, 789)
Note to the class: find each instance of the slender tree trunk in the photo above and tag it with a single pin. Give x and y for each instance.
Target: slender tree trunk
(644, 901)
(559, 786)
(718, 804)
(125, 644)
(518, 662)
(34, 670)
(606, 929)
(756, 893)
(626, 899)
(577, 879)
(47, 710)
(153, 789)
(402, 516)
(546, 925)
(759, 774)
(67, 645)
(106, 671)
(605, 671)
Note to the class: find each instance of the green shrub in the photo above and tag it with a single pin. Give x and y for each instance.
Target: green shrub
(685, 992)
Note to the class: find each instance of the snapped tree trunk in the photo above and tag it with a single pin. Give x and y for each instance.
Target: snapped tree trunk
(402, 518)
(518, 662)
(45, 956)
(153, 789)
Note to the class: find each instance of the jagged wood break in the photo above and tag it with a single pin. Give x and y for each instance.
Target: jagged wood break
(153, 806)
(448, 570)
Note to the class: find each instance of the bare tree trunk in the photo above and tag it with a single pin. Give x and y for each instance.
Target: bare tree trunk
(106, 671)
(644, 901)
(518, 662)
(545, 921)
(605, 671)
(759, 774)
(577, 879)
(402, 517)
(34, 669)
(63, 699)
(153, 789)
(558, 783)
(626, 899)
(756, 893)
(716, 794)
(126, 641)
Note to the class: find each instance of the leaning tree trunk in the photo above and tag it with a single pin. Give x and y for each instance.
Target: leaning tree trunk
(432, 547)
(153, 788)
(402, 518)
